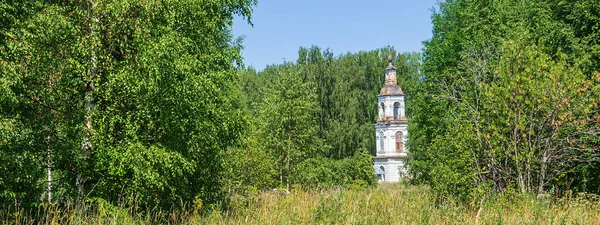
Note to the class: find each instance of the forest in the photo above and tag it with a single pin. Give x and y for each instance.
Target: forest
(137, 111)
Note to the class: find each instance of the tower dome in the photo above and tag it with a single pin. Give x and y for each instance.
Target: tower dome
(391, 82)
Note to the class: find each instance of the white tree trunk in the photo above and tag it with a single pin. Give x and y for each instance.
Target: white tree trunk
(49, 169)
(86, 146)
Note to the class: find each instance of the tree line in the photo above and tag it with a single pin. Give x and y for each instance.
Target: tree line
(149, 102)
(313, 120)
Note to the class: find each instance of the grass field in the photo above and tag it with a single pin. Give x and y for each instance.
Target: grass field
(386, 204)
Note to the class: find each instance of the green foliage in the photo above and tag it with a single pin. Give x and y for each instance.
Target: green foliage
(356, 172)
(142, 100)
(287, 114)
(148, 101)
(313, 119)
(118, 99)
(507, 99)
(251, 168)
(150, 175)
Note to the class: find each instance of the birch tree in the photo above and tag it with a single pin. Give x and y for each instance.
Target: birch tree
(118, 99)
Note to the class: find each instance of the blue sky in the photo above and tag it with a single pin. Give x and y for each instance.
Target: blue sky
(282, 26)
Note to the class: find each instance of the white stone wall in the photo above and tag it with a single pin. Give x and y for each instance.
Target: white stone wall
(392, 167)
(389, 139)
(391, 161)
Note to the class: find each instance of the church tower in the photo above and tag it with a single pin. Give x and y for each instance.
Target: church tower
(391, 129)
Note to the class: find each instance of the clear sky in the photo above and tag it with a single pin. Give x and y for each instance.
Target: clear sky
(282, 26)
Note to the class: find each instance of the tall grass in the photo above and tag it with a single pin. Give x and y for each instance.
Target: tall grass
(386, 204)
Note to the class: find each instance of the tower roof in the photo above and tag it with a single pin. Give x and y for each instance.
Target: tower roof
(390, 90)
(390, 87)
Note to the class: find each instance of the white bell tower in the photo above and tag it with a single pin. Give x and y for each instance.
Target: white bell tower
(391, 129)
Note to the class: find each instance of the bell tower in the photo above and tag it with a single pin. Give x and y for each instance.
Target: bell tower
(391, 129)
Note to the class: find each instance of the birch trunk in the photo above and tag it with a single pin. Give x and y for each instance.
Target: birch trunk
(49, 169)
(86, 147)
(543, 173)
(287, 178)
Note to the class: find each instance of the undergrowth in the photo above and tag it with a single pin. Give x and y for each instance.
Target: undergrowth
(385, 204)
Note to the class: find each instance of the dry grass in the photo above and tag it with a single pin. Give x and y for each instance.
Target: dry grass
(398, 204)
(386, 204)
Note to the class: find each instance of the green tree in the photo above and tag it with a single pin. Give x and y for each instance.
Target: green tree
(123, 98)
(288, 121)
(497, 76)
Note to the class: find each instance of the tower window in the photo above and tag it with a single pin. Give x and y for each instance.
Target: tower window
(396, 111)
(399, 143)
(381, 142)
(382, 111)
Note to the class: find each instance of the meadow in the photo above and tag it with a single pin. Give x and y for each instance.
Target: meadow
(385, 204)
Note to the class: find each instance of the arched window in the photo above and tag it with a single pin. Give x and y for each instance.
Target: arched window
(396, 111)
(382, 111)
(381, 142)
(399, 142)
